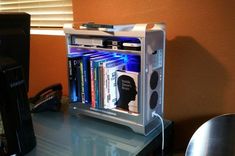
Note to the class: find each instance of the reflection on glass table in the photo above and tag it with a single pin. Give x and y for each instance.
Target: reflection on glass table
(64, 135)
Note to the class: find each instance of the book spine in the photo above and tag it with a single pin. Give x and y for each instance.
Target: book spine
(96, 80)
(92, 84)
(89, 78)
(105, 86)
(82, 83)
(72, 86)
(93, 76)
(101, 88)
(86, 79)
(78, 80)
(96, 84)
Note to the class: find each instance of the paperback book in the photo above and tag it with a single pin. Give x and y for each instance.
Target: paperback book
(72, 79)
(109, 69)
(92, 76)
(75, 77)
(127, 91)
(96, 65)
(86, 75)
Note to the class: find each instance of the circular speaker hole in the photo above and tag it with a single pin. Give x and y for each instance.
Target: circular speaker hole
(153, 100)
(154, 80)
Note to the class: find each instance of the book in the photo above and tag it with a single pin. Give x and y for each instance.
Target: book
(92, 76)
(74, 77)
(86, 76)
(96, 65)
(72, 83)
(109, 81)
(127, 90)
(83, 68)
(82, 83)
(82, 80)
(101, 87)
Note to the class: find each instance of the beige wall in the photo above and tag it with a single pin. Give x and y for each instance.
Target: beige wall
(200, 66)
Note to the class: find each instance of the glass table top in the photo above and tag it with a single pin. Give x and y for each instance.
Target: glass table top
(61, 134)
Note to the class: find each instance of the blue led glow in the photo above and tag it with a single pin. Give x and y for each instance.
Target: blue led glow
(132, 61)
(73, 96)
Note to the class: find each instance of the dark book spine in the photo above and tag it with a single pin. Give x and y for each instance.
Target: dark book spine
(86, 79)
(96, 80)
(92, 84)
(96, 85)
(72, 81)
(78, 80)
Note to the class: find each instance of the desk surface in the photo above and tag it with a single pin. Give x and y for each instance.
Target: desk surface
(216, 137)
(64, 135)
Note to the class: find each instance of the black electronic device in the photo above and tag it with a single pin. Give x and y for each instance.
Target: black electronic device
(15, 111)
(15, 39)
(48, 99)
(17, 137)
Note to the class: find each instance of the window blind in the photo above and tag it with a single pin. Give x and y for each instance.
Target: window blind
(44, 13)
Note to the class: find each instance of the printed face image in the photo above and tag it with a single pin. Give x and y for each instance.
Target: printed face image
(127, 91)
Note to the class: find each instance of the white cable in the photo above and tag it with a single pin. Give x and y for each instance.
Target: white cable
(162, 123)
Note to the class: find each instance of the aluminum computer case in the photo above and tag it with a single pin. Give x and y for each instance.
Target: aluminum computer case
(151, 75)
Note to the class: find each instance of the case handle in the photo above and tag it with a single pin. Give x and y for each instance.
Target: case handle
(148, 26)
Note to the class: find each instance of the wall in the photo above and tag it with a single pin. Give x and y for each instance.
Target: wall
(47, 62)
(200, 67)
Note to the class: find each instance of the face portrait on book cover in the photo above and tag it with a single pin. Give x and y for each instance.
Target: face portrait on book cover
(127, 91)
